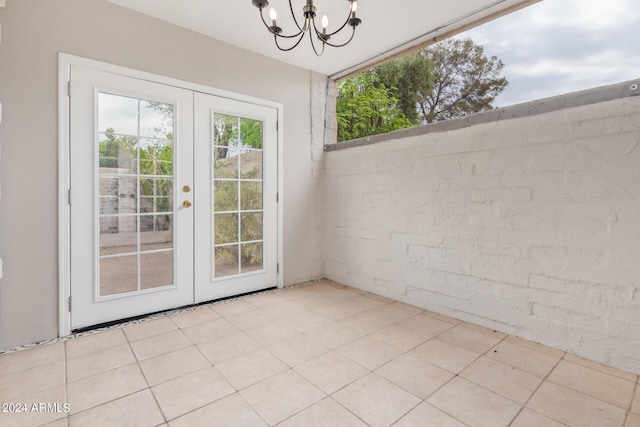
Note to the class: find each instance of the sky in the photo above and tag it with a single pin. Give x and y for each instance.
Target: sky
(560, 46)
(121, 113)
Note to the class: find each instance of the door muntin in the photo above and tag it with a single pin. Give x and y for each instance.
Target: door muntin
(135, 195)
(238, 191)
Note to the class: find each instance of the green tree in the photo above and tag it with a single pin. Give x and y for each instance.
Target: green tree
(465, 80)
(117, 151)
(450, 79)
(409, 79)
(365, 106)
(236, 132)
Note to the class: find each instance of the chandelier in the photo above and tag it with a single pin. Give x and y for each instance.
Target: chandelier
(309, 26)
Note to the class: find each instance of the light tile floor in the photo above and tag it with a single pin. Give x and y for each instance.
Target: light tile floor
(315, 355)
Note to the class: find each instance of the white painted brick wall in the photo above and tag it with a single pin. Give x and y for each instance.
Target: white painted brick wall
(530, 226)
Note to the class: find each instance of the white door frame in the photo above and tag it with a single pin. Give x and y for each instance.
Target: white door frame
(64, 225)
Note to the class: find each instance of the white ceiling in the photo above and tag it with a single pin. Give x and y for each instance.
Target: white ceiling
(387, 26)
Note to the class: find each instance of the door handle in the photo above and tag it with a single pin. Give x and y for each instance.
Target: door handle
(186, 188)
(186, 204)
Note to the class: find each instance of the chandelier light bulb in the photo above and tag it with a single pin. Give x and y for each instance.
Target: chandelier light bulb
(325, 23)
(273, 15)
(354, 6)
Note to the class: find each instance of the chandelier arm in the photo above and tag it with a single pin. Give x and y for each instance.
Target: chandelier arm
(314, 46)
(342, 27)
(294, 16)
(353, 33)
(276, 34)
(275, 38)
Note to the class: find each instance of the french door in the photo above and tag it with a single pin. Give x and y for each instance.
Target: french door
(236, 219)
(172, 197)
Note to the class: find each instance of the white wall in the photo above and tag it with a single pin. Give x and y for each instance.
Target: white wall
(33, 32)
(530, 226)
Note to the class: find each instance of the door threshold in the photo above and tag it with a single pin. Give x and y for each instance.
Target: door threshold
(164, 313)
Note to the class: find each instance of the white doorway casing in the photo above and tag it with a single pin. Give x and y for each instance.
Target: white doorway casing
(226, 100)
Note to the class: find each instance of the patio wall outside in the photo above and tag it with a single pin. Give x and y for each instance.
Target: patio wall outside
(530, 226)
(33, 33)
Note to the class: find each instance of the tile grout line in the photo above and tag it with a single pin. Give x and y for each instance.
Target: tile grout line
(604, 372)
(326, 395)
(598, 372)
(135, 356)
(536, 390)
(292, 368)
(422, 312)
(251, 407)
(66, 384)
(457, 375)
(636, 390)
(211, 365)
(544, 380)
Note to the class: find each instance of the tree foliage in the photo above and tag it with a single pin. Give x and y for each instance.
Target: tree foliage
(409, 78)
(235, 133)
(450, 79)
(226, 224)
(365, 106)
(465, 80)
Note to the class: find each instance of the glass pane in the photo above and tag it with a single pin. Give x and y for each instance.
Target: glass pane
(225, 141)
(251, 257)
(156, 269)
(238, 158)
(251, 226)
(118, 195)
(117, 114)
(251, 133)
(251, 164)
(224, 165)
(156, 195)
(118, 234)
(156, 232)
(117, 154)
(156, 157)
(225, 228)
(225, 196)
(136, 167)
(118, 275)
(225, 132)
(226, 259)
(156, 120)
(250, 195)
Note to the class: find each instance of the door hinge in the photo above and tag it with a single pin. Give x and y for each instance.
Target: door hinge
(69, 88)
(277, 197)
(277, 125)
(69, 196)
(278, 268)
(69, 304)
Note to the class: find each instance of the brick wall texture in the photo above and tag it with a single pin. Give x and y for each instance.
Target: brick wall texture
(530, 226)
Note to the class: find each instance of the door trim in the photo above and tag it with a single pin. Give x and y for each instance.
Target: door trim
(64, 161)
